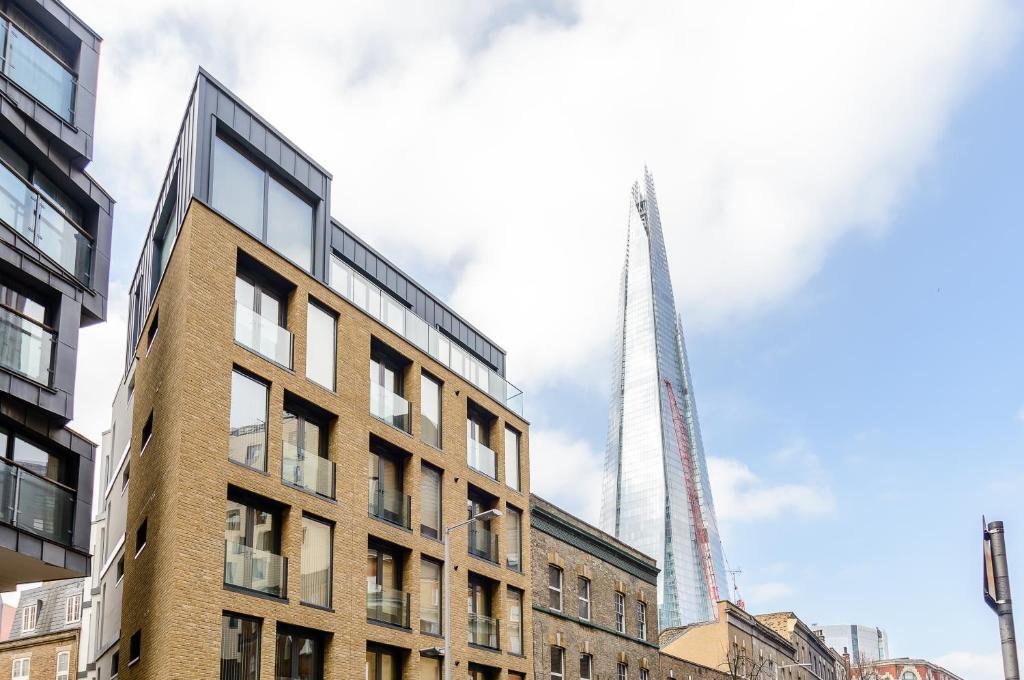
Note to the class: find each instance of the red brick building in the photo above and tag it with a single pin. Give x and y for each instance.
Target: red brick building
(901, 669)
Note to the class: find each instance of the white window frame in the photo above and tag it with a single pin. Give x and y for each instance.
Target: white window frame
(583, 600)
(28, 617)
(560, 588)
(23, 666)
(73, 609)
(590, 667)
(620, 612)
(558, 674)
(645, 674)
(622, 671)
(66, 673)
(641, 620)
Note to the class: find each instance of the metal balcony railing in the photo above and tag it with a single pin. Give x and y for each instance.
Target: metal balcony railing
(308, 471)
(26, 347)
(263, 335)
(388, 605)
(36, 505)
(390, 505)
(484, 631)
(254, 569)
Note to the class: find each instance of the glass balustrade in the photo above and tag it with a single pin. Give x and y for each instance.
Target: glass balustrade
(383, 307)
(35, 218)
(389, 407)
(483, 542)
(263, 336)
(255, 569)
(26, 347)
(35, 504)
(483, 631)
(308, 471)
(481, 458)
(388, 605)
(390, 505)
(37, 72)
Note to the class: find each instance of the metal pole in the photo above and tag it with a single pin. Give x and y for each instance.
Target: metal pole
(447, 607)
(1003, 604)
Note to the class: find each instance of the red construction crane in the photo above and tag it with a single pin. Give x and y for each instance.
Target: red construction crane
(701, 531)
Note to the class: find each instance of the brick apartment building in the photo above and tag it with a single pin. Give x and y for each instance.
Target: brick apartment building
(902, 668)
(55, 230)
(298, 423)
(817, 658)
(44, 637)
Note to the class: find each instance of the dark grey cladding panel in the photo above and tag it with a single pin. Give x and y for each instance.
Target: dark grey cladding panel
(401, 286)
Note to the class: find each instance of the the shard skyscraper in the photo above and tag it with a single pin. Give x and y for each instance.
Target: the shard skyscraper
(656, 495)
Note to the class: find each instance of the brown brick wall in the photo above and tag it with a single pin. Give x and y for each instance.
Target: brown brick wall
(42, 650)
(174, 589)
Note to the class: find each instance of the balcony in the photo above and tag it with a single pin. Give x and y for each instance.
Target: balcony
(253, 569)
(390, 505)
(483, 631)
(263, 336)
(389, 407)
(34, 69)
(39, 221)
(388, 605)
(481, 458)
(483, 542)
(307, 471)
(26, 347)
(35, 505)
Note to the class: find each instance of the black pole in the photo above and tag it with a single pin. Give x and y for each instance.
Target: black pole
(1003, 605)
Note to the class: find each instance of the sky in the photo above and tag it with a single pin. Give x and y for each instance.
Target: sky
(839, 184)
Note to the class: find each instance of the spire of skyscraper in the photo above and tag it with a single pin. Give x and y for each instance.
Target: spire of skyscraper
(645, 500)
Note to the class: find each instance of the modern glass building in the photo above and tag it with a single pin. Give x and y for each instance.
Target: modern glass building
(645, 501)
(864, 643)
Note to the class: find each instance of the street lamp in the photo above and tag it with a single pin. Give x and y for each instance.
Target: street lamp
(483, 517)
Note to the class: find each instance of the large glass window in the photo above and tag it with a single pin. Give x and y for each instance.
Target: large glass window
(385, 600)
(430, 501)
(238, 187)
(515, 621)
(513, 538)
(512, 458)
(386, 390)
(430, 410)
(26, 341)
(316, 562)
(430, 597)
(260, 322)
(304, 456)
(388, 500)
(430, 668)
(290, 224)
(239, 648)
(382, 665)
(252, 544)
(299, 654)
(247, 431)
(321, 339)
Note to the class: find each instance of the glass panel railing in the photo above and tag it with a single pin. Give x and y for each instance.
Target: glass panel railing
(389, 407)
(255, 569)
(483, 631)
(483, 542)
(35, 504)
(263, 335)
(381, 306)
(247, 445)
(44, 226)
(25, 347)
(40, 74)
(307, 470)
(388, 605)
(390, 505)
(481, 458)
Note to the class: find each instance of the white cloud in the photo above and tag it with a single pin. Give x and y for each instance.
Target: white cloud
(1020, 415)
(973, 665)
(742, 496)
(766, 593)
(567, 472)
(101, 351)
(505, 136)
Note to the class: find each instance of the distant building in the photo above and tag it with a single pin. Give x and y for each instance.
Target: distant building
(43, 642)
(864, 643)
(901, 669)
(6, 620)
(812, 653)
(53, 607)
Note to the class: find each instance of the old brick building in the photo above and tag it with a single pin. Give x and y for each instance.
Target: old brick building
(44, 634)
(298, 423)
(815, 658)
(901, 669)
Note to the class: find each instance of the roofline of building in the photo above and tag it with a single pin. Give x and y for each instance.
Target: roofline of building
(907, 661)
(32, 640)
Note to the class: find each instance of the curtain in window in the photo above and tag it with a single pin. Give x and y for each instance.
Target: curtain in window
(430, 502)
(239, 648)
(316, 562)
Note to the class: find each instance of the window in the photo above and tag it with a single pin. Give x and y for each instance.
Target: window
(478, 439)
(147, 432)
(620, 612)
(382, 665)
(299, 654)
(239, 647)
(21, 668)
(430, 501)
(586, 667)
(140, 537)
(641, 620)
(321, 345)
(124, 477)
(135, 647)
(73, 610)
(513, 538)
(305, 464)
(515, 621)
(557, 663)
(554, 588)
(252, 542)
(120, 568)
(241, 188)
(63, 665)
(317, 551)
(512, 458)
(28, 617)
(115, 664)
(430, 668)
(483, 629)
(483, 540)
(153, 328)
(261, 319)
(247, 431)
(385, 601)
(388, 500)
(623, 673)
(163, 238)
(430, 410)
(430, 597)
(29, 340)
(583, 590)
(386, 390)
(644, 675)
